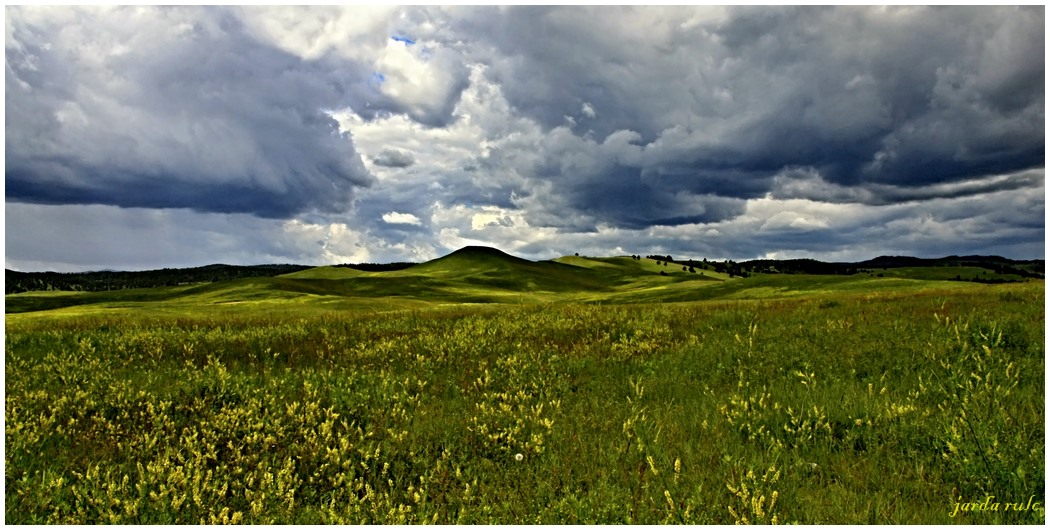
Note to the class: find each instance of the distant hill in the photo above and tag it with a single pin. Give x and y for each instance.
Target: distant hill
(996, 264)
(377, 267)
(324, 273)
(473, 256)
(488, 270)
(488, 267)
(1025, 268)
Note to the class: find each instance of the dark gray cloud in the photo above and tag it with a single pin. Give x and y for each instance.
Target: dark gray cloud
(178, 110)
(908, 97)
(623, 197)
(796, 184)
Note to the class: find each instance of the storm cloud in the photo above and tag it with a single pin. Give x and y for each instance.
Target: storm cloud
(170, 109)
(905, 97)
(402, 132)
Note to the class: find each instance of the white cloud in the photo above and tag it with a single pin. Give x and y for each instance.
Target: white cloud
(505, 228)
(358, 32)
(482, 123)
(401, 218)
(480, 221)
(325, 243)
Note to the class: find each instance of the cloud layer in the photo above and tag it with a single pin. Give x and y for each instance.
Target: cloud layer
(722, 132)
(170, 108)
(720, 107)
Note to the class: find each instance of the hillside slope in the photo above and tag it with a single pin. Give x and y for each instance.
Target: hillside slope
(487, 275)
(484, 267)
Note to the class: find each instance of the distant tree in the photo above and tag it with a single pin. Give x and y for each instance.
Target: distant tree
(692, 270)
(577, 254)
(684, 268)
(663, 273)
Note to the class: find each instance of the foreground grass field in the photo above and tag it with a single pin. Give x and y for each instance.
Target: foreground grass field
(808, 399)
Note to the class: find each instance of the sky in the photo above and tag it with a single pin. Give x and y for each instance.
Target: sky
(144, 137)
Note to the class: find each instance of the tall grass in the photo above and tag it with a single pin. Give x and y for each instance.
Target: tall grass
(865, 408)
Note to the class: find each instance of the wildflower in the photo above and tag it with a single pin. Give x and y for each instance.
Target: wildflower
(652, 465)
(519, 457)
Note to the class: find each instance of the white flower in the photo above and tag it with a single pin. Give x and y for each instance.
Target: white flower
(519, 457)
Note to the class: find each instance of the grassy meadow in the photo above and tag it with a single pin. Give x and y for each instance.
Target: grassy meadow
(481, 389)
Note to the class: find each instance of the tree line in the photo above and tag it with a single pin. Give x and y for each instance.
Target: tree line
(996, 264)
(17, 282)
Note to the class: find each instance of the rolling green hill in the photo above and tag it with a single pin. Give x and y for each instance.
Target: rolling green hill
(324, 273)
(489, 268)
(487, 275)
